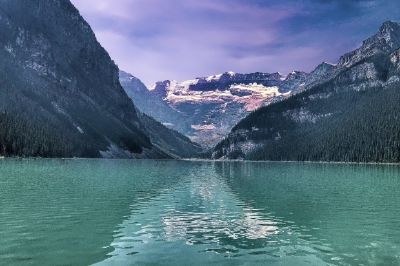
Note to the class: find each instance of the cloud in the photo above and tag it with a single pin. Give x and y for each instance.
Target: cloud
(182, 39)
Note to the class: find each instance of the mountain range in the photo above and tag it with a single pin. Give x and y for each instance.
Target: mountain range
(205, 109)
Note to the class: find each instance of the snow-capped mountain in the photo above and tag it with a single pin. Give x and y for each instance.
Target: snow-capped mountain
(206, 108)
(250, 90)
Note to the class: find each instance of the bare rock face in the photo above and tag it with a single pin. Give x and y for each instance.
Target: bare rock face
(386, 40)
(395, 58)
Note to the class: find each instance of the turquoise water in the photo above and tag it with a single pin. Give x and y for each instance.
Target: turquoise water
(121, 212)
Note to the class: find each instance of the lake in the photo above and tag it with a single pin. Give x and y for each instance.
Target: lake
(124, 212)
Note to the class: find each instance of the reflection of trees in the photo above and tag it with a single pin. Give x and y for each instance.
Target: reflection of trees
(306, 188)
(333, 204)
(74, 206)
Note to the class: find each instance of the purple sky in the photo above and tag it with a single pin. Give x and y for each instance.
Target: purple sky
(183, 39)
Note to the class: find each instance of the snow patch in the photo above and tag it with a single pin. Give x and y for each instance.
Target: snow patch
(283, 77)
(215, 77)
(204, 127)
(252, 96)
(80, 130)
(245, 147)
(175, 87)
(152, 87)
(9, 49)
(168, 124)
(259, 95)
(114, 151)
(59, 109)
(303, 115)
(328, 63)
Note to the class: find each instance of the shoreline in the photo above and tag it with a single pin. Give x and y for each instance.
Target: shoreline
(306, 162)
(2, 158)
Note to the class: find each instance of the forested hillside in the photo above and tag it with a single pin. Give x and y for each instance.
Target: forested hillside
(354, 116)
(60, 94)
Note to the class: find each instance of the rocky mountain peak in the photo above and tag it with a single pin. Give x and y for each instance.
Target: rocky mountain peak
(136, 84)
(386, 40)
(160, 88)
(124, 75)
(276, 76)
(389, 27)
(389, 34)
(323, 69)
(296, 75)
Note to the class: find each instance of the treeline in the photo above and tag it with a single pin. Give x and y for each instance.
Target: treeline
(32, 138)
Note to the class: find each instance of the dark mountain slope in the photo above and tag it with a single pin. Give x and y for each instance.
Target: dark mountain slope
(172, 142)
(60, 94)
(354, 116)
(151, 103)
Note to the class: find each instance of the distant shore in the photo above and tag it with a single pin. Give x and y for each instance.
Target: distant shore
(308, 162)
(202, 160)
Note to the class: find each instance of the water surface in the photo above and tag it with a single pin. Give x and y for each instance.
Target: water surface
(122, 212)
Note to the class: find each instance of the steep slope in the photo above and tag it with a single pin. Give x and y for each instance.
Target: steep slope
(353, 115)
(205, 109)
(60, 94)
(148, 103)
(168, 140)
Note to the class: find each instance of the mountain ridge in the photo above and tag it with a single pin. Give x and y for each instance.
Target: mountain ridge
(351, 116)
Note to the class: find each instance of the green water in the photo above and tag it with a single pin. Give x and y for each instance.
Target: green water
(121, 212)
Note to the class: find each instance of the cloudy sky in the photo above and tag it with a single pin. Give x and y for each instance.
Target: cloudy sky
(183, 39)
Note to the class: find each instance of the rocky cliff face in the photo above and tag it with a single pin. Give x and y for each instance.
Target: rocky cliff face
(170, 141)
(152, 103)
(60, 94)
(350, 115)
(384, 41)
